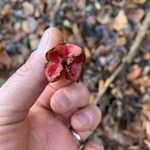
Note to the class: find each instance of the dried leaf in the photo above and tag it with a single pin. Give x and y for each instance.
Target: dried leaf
(135, 14)
(6, 10)
(80, 3)
(111, 67)
(120, 41)
(29, 25)
(130, 91)
(103, 50)
(139, 1)
(147, 127)
(120, 21)
(119, 137)
(90, 42)
(5, 60)
(147, 142)
(134, 73)
(28, 8)
(143, 81)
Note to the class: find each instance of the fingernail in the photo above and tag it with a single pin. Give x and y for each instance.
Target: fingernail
(63, 102)
(83, 119)
(43, 42)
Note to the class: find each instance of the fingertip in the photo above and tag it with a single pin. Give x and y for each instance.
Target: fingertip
(69, 98)
(55, 35)
(50, 38)
(86, 118)
(59, 102)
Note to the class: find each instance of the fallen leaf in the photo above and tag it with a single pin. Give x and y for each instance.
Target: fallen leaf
(90, 42)
(28, 8)
(76, 31)
(29, 25)
(147, 142)
(135, 14)
(120, 41)
(146, 110)
(103, 50)
(139, 1)
(130, 91)
(5, 60)
(143, 81)
(121, 138)
(120, 21)
(18, 36)
(113, 65)
(134, 73)
(80, 3)
(147, 127)
(6, 10)
(145, 46)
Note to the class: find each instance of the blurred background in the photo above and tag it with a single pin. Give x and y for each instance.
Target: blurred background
(106, 30)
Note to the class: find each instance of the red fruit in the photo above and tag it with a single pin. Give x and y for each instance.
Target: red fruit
(65, 61)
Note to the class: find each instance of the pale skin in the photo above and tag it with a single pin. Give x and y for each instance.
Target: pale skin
(37, 115)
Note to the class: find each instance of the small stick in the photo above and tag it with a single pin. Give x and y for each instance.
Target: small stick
(131, 55)
(54, 12)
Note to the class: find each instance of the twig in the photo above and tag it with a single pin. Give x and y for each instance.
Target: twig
(54, 12)
(129, 58)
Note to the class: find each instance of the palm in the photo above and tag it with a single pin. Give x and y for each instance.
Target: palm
(48, 132)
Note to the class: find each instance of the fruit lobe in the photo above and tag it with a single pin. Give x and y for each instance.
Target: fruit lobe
(64, 61)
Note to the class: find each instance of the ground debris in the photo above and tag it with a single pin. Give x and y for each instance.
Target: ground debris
(105, 30)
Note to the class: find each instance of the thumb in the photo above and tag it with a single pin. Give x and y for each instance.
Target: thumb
(22, 89)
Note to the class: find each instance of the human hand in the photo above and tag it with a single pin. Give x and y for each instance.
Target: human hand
(37, 115)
